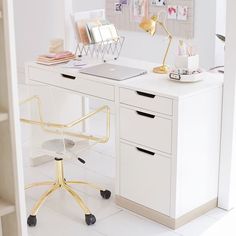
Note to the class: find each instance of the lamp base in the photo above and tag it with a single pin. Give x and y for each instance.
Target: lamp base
(161, 69)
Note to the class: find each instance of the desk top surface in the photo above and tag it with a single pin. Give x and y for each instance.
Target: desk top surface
(150, 82)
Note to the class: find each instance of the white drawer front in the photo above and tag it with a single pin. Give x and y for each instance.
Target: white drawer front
(146, 129)
(147, 101)
(145, 178)
(78, 84)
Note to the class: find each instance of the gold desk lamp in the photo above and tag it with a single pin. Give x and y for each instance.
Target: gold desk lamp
(150, 25)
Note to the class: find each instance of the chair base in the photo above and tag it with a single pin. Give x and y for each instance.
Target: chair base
(61, 182)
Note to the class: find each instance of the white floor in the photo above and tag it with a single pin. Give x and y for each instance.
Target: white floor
(61, 216)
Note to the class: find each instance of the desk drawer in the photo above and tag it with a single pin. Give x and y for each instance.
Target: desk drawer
(147, 101)
(147, 129)
(78, 84)
(145, 178)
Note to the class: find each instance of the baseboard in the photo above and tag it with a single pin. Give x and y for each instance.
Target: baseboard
(164, 219)
(197, 212)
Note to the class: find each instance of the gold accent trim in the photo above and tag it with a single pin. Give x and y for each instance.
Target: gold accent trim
(62, 127)
(39, 184)
(164, 219)
(77, 199)
(42, 199)
(60, 183)
(84, 183)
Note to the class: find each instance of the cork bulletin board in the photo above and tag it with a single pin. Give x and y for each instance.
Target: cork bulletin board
(179, 20)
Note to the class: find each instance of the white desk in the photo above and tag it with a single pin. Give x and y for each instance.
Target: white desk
(167, 138)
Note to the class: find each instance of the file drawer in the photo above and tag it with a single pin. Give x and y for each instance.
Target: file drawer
(146, 101)
(147, 129)
(77, 83)
(145, 178)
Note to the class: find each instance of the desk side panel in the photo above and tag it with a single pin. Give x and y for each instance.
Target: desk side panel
(198, 150)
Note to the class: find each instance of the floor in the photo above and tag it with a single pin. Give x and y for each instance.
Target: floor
(61, 216)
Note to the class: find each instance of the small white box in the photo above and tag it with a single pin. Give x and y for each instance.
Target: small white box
(56, 46)
(187, 62)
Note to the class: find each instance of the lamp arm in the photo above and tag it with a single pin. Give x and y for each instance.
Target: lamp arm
(170, 40)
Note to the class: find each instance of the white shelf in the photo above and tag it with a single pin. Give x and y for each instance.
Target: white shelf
(3, 116)
(6, 208)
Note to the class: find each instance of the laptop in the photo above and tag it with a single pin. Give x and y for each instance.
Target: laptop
(114, 72)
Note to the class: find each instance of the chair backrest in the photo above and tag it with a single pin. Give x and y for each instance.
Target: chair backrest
(57, 130)
(44, 111)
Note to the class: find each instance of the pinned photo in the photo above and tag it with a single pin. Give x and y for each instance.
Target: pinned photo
(158, 3)
(124, 2)
(118, 7)
(140, 8)
(172, 12)
(182, 13)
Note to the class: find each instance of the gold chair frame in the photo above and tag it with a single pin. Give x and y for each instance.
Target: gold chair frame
(60, 181)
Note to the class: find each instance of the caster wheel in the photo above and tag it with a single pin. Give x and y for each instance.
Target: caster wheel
(106, 194)
(90, 219)
(32, 221)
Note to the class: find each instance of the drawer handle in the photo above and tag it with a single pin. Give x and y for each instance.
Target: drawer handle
(145, 114)
(149, 95)
(145, 151)
(68, 76)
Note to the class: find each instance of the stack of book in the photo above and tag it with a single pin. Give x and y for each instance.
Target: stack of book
(55, 58)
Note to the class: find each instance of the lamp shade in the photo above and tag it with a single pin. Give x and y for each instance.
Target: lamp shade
(149, 25)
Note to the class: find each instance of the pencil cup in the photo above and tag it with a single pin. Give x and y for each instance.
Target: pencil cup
(187, 62)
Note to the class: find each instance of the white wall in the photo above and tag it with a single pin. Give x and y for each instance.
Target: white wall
(36, 22)
(81, 5)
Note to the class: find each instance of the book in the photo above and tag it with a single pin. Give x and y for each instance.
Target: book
(104, 33)
(55, 58)
(96, 34)
(82, 32)
(51, 63)
(113, 30)
(57, 55)
(89, 26)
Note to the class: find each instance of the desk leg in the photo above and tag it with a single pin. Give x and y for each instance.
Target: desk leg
(85, 110)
